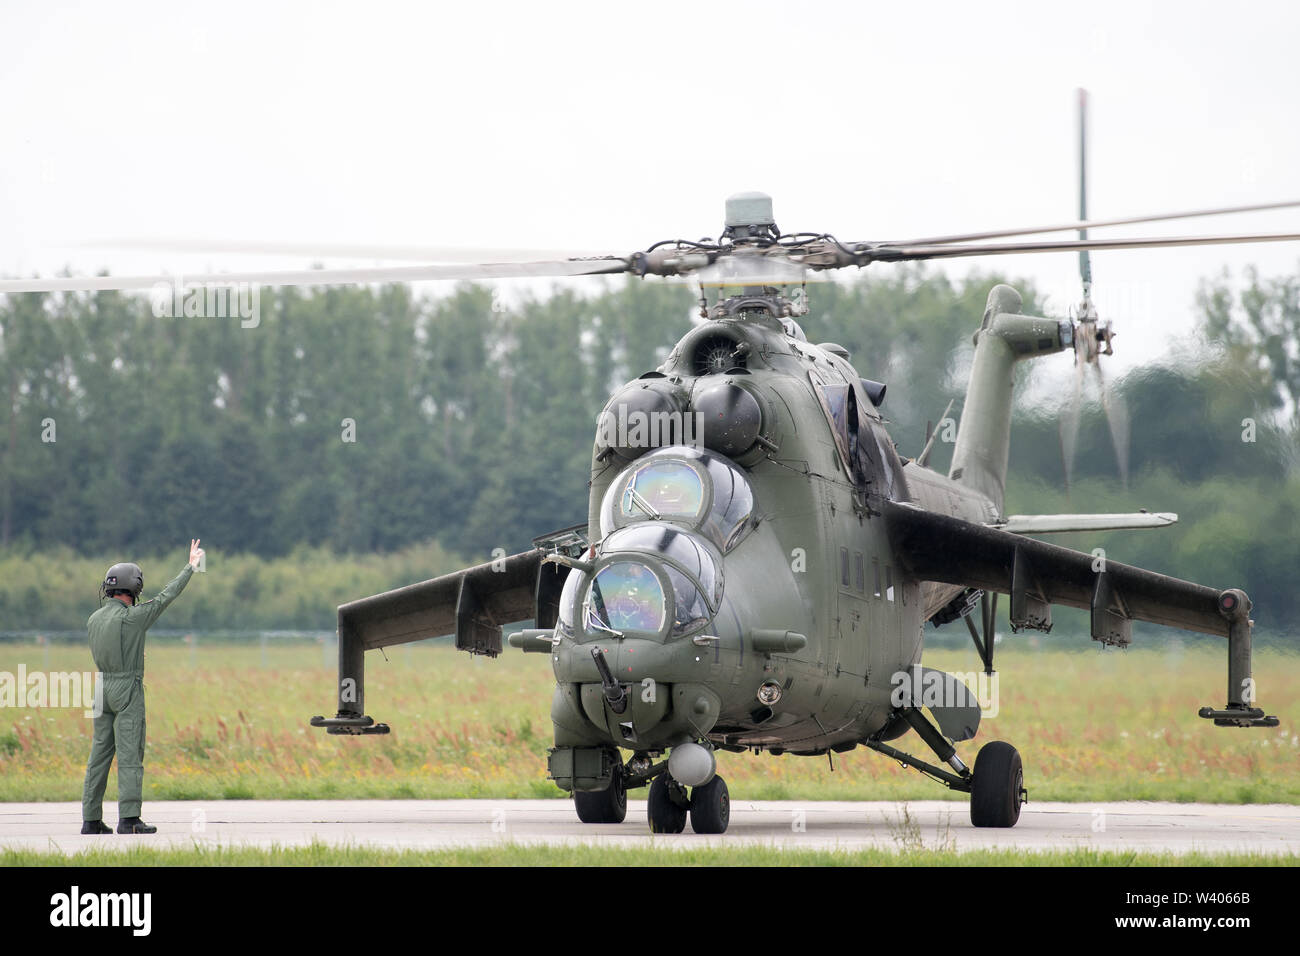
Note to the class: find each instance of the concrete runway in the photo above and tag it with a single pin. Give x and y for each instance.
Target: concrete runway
(434, 824)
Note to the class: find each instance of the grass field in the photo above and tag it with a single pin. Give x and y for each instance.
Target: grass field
(515, 855)
(230, 721)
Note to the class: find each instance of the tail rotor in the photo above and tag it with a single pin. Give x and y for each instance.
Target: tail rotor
(1092, 339)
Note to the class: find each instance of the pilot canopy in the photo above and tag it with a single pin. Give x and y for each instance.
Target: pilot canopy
(685, 486)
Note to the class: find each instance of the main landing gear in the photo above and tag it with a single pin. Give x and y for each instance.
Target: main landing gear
(997, 785)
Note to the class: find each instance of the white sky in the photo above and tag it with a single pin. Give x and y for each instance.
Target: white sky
(610, 126)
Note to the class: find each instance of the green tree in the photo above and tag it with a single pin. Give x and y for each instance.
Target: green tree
(1260, 327)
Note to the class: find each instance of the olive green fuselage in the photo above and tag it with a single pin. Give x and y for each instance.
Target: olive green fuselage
(812, 557)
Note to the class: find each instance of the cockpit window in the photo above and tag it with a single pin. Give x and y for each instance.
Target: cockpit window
(568, 594)
(625, 596)
(688, 550)
(690, 610)
(834, 399)
(664, 488)
(686, 486)
(733, 503)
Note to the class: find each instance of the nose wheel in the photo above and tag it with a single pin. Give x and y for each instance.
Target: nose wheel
(708, 806)
(667, 805)
(711, 807)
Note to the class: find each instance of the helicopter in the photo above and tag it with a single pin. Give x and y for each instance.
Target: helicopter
(758, 561)
(756, 576)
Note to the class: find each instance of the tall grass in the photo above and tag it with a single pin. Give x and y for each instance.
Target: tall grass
(227, 721)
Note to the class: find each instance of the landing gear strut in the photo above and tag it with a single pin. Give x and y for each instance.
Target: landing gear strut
(997, 785)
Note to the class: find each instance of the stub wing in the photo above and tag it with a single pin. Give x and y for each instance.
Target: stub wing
(1035, 575)
(473, 604)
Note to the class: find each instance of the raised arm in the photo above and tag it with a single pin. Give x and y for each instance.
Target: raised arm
(149, 611)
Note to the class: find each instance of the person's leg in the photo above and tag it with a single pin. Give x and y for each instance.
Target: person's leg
(130, 760)
(97, 767)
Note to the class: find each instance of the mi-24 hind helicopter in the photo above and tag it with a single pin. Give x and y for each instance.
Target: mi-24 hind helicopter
(758, 562)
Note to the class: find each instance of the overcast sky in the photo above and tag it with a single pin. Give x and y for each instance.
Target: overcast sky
(610, 126)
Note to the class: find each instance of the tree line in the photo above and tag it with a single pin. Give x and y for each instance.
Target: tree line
(370, 420)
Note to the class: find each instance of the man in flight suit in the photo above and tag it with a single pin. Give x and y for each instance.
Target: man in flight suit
(116, 633)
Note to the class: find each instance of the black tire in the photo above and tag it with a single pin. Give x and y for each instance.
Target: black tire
(665, 816)
(603, 806)
(995, 790)
(711, 807)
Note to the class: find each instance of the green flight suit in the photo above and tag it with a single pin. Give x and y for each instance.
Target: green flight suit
(116, 635)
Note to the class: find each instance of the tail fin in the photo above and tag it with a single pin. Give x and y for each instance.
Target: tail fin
(1004, 338)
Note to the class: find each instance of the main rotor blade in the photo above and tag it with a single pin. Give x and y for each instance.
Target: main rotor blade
(340, 250)
(902, 253)
(1085, 263)
(310, 277)
(1096, 224)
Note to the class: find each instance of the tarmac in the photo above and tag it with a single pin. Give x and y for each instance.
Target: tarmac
(437, 824)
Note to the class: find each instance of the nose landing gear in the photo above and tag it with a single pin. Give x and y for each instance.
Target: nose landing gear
(709, 806)
(668, 805)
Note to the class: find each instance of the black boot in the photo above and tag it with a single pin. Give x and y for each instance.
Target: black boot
(134, 825)
(95, 826)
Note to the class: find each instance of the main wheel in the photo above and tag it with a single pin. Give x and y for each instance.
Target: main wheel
(711, 807)
(603, 806)
(665, 815)
(996, 789)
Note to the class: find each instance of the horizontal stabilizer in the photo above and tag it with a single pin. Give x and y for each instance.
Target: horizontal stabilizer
(1047, 524)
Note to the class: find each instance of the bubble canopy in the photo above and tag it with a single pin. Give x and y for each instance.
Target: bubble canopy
(682, 485)
(695, 556)
(655, 579)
